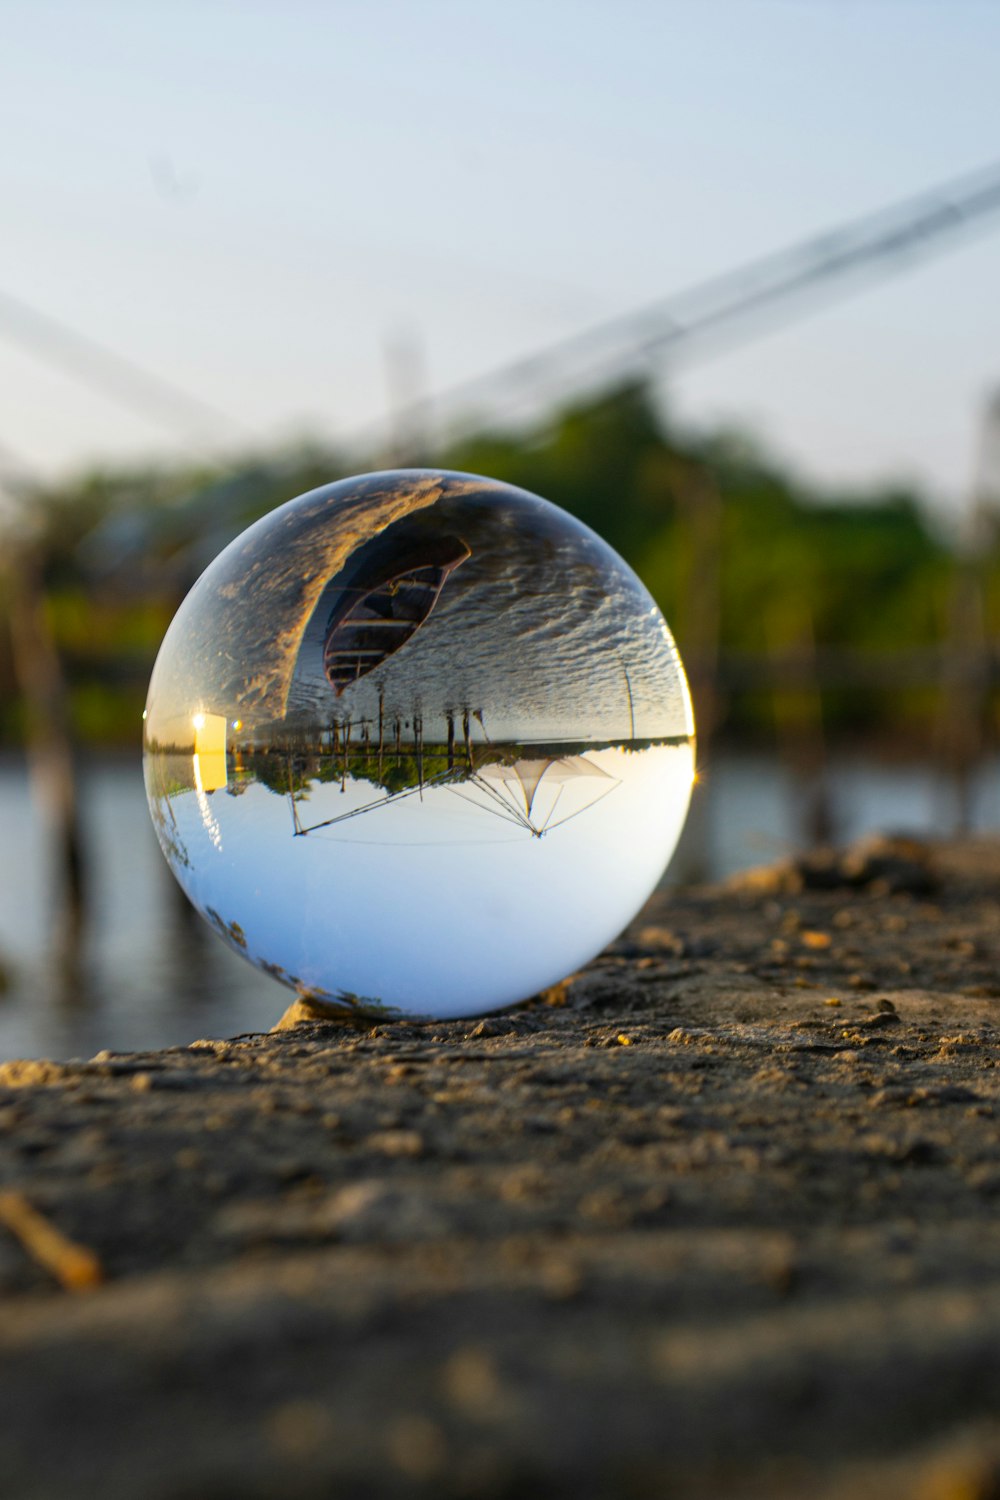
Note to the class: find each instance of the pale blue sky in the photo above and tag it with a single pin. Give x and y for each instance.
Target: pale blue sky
(253, 199)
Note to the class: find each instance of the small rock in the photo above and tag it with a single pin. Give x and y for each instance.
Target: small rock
(396, 1143)
(880, 1019)
(491, 1027)
(308, 1008)
(28, 1072)
(893, 864)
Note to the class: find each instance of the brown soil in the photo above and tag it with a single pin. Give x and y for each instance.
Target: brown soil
(716, 1218)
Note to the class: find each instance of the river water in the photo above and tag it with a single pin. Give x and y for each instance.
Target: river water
(152, 976)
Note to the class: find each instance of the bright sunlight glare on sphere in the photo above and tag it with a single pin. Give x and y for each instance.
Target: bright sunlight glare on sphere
(418, 744)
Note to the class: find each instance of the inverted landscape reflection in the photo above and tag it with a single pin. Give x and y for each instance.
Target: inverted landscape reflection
(419, 744)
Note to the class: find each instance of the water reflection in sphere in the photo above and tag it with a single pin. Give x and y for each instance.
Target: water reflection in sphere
(418, 743)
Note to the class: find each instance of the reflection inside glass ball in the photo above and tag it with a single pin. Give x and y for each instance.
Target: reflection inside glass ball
(418, 743)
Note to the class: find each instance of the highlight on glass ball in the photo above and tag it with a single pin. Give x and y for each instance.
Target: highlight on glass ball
(418, 744)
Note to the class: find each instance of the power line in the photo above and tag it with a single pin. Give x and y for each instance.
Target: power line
(725, 308)
(708, 315)
(123, 380)
(17, 477)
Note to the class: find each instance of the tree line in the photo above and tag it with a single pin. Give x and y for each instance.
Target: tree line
(789, 603)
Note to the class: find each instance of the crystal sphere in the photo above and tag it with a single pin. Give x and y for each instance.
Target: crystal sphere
(418, 743)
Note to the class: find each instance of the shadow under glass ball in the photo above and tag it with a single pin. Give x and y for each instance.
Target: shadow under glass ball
(418, 743)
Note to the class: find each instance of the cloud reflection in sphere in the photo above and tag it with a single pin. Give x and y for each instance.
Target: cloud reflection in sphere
(418, 743)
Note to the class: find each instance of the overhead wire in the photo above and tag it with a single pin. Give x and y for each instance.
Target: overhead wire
(701, 316)
(101, 368)
(711, 311)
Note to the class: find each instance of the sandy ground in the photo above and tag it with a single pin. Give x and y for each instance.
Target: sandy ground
(717, 1218)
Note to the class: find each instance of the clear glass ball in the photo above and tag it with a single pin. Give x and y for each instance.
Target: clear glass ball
(419, 744)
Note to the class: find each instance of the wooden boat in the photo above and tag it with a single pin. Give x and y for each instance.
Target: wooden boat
(377, 614)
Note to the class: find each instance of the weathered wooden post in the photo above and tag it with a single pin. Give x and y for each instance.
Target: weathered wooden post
(51, 760)
(699, 512)
(798, 714)
(963, 729)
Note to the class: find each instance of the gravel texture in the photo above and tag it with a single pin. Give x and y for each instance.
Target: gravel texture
(717, 1217)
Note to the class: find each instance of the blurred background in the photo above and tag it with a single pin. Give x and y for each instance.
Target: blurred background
(721, 278)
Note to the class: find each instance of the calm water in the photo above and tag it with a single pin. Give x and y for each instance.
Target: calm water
(153, 977)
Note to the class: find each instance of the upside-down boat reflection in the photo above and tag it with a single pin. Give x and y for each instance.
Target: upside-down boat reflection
(384, 604)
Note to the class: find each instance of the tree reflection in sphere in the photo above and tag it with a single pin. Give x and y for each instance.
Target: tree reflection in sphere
(418, 743)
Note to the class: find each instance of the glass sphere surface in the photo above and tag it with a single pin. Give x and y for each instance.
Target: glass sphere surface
(418, 743)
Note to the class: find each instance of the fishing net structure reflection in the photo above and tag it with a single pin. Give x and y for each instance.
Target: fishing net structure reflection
(475, 714)
(509, 792)
(513, 790)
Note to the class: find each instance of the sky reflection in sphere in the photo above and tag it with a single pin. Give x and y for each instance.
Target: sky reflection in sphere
(418, 743)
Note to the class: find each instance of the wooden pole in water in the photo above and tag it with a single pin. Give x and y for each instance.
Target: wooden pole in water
(699, 552)
(381, 729)
(699, 591)
(963, 729)
(451, 741)
(631, 704)
(418, 735)
(468, 742)
(40, 676)
(798, 717)
(347, 751)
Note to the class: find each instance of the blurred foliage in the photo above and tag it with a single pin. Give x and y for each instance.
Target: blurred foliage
(746, 560)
